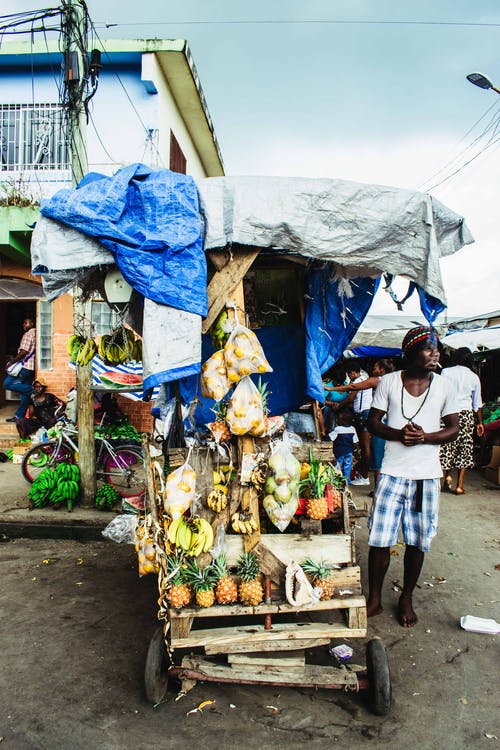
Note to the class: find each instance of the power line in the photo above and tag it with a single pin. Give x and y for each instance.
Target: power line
(305, 21)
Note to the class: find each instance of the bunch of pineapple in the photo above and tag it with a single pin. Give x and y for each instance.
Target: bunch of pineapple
(202, 581)
(250, 589)
(320, 574)
(226, 591)
(178, 591)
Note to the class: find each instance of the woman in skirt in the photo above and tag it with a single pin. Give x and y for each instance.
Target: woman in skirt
(459, 453)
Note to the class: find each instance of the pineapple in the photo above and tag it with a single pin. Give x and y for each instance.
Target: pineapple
(321, 577)
(250, 590)
(227, 590)
(317, 508)
(179, 593)
(219, 429)
(202, 580)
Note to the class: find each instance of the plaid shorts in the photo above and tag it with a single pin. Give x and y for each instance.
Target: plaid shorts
(394, 504)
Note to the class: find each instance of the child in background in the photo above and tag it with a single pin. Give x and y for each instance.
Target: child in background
(343, 437)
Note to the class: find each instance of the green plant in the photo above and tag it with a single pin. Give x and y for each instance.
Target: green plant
(14, 192)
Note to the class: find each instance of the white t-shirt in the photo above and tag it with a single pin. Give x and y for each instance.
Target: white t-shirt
(363, 399)
(344, 430)
(467, 387)
(413, 461)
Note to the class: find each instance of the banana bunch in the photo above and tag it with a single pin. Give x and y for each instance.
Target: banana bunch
(80, 349)
(55, 486)
(219, 331)
(217, 499)
(120, 346)
(193, 535)
(243, 522)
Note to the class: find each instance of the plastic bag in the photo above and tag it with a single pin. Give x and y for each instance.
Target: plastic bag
(180, 487)
(145, 547)
(214, 381)
(245, 414)
(121, 529)
(244, 355)
(282, 484)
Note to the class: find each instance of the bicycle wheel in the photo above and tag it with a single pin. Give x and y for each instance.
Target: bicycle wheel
(43, 455)
(124, 469)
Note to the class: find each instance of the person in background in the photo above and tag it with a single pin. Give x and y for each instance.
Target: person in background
(377, 444)
(23, 382)
(408, 410)
(333, 398)
(43, 411)
(459, 453)
(343, 437)
(361, 401)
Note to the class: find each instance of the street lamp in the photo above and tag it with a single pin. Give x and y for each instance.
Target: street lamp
(478, 79)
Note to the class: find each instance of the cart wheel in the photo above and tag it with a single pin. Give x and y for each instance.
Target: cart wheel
(156, 669)
(379, 679)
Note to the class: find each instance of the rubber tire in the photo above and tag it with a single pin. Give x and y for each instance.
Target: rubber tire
(156, 668)
(379, 678)
(64, 454)
(110, 477)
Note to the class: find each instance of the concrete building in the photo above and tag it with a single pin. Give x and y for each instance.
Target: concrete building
(149, 107)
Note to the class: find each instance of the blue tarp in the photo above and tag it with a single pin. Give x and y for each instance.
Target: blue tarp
(376, 351)
(332, 320)
(149, 219)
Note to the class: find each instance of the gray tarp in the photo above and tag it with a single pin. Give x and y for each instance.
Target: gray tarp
(369, 229)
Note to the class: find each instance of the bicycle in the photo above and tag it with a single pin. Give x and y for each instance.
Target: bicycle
(121, 466)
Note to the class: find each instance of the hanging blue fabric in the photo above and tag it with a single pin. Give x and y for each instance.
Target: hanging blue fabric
(431, 306)
(332, 320)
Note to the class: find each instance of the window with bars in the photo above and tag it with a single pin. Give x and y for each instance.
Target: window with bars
(44, 344)
(103, 317)
(33, 136)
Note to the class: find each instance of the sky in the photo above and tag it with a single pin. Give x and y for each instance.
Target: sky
(366, 91)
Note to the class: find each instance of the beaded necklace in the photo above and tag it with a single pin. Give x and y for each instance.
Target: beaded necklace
(410, 419)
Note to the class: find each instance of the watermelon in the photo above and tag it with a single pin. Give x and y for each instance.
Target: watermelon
(121, 379)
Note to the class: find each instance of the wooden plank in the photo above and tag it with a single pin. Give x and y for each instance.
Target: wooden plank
(312, 675)
(310, 526)
(356, 617)
(219, 258)
(333, 548)
(280, 659)
(148, 470)
(249, 499)
(180, 627)
(255, 635)
(270, 565)
(224, 281)
(275, 608)
(283, 645)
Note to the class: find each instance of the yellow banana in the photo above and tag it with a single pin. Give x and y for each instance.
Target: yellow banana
(172, 530)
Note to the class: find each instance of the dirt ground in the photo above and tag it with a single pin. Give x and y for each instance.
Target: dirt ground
(76, 623)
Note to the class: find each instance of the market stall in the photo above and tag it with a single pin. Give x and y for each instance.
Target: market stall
(241, 502)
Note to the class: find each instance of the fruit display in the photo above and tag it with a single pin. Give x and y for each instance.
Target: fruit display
(226, 591)
(178, 591)
(191, 535)
(180, 487)
(202, 581)
(123, 431)
(282, 485)
(219, 429)
(120, 346)
(245, 413)
(217, 498)
(244, 355)
(220, 330)
(250, 589)
(81, 349)
(119, 380)
(243, 522)
(320, 575)
(55, 486)
(214, 381)
(322, 486)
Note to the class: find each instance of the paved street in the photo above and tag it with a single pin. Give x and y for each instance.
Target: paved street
(76, 623)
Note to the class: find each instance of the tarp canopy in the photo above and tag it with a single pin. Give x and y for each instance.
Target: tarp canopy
(150, 221)
(480, 340)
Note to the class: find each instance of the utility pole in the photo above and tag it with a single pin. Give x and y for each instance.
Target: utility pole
(76, 67)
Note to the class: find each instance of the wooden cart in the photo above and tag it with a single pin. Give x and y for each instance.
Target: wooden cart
(267, 644)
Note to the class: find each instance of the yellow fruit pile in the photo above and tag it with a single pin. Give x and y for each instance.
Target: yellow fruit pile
(214, 380)
(180, 487)
(146, 550)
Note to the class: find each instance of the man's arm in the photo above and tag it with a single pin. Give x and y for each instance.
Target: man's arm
(378, 428)
(445, 435)
(21, 354)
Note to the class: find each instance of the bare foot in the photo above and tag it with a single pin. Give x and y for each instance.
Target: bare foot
(407, 616)
(459, 491)
(373, 608)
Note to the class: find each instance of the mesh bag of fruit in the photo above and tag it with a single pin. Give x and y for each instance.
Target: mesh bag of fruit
(214, 381)
(180, 487)
(245, 411)
(282, 484)
(244, 355)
